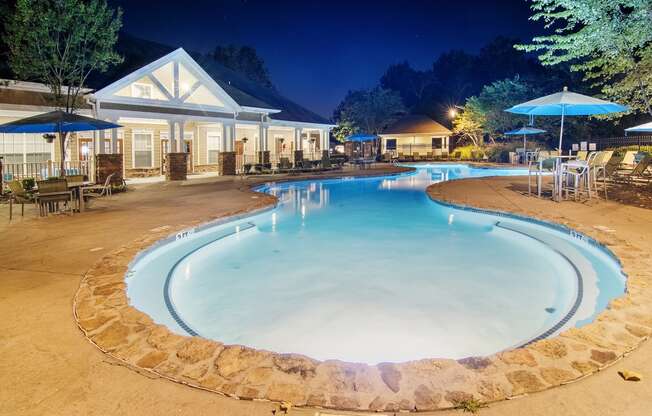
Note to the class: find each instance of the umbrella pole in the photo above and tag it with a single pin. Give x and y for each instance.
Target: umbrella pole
(558, 164)
(524, 148)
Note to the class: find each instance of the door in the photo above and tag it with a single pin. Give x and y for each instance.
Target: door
(239, 155)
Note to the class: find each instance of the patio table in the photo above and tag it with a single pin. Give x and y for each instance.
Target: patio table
(75, 188)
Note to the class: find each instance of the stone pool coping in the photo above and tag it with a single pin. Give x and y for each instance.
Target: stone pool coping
(103, 313)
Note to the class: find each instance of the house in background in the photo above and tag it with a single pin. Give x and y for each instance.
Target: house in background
(218, 119)
(415, 137)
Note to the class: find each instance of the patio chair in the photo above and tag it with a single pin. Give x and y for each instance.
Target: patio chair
(538, 168)
(598, 167)
(575, 177)
(415, 156)
(610, 170)
(51, 193)
(582, 155)
(88, 193)
(629, 159)
(640, 172)
(20, 196)
(429, 155)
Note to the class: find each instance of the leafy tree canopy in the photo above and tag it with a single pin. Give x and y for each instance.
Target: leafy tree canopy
(485, 113)
(610, 42)
(244, 60)
(60, 43)
(368, 111)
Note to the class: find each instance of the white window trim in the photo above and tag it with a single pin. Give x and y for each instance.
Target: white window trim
(219, 140)
(133, 147)
(142, 84)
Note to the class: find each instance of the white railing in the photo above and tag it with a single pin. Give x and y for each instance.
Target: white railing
(47, 169)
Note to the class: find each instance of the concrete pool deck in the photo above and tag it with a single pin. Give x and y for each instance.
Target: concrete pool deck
(49, 368)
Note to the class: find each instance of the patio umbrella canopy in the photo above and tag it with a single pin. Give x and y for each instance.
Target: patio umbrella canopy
(525, 131)
(56, 122)
(360, 137)
(643, 128)
(566, 103)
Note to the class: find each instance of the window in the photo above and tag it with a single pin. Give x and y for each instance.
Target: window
(141, 90)
(25, 148)
(437, 142)
(143, 156)
(213, 147)
(390, 144)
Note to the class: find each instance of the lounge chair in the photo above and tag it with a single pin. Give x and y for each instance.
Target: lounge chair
(20, 196)
(52, 192)
(640, 172)
(582, 155)
(610, 170)
(629, 160)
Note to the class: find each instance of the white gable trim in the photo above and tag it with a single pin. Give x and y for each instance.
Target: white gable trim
(107, 94)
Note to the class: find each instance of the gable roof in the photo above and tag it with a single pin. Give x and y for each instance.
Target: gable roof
(416, 124)
(246, 93)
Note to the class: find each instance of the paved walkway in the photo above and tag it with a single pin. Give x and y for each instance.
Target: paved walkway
(48, 367)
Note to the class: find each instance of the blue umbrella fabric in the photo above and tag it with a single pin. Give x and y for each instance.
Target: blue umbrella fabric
(361, 137)
(524, 131)
(566, 103)
(56, 122)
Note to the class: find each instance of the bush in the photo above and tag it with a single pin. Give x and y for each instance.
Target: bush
(28, 184)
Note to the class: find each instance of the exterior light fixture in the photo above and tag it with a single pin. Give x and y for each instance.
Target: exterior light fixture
(452, 113)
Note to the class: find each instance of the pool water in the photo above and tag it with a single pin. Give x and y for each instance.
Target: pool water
(372, 270)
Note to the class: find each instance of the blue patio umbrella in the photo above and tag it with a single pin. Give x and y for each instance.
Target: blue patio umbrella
(524, 131)
(564, 104)
(361, 137)
(643, 128)
(56, 122)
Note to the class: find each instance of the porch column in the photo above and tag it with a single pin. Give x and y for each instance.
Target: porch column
(298, 146)
(172, 136)
(114, 141)
(181, 148)
(226, 162)
(99, 142)
(263, 151)
(325, 144)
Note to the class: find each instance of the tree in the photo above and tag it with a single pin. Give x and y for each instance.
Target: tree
(485, 113)
(60, 43)
(408, 82)
(244, 60)
(608, 41)
(368, 111)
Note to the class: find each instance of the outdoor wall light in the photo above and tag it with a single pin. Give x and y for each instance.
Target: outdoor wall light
(49, 137)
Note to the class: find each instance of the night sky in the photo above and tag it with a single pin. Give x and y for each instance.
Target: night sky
(316, 50)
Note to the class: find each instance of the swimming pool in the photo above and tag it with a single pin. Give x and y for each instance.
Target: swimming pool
(372, 270)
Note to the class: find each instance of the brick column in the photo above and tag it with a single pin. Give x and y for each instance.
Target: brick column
(226, 163)
(176, 168)
(107, 164)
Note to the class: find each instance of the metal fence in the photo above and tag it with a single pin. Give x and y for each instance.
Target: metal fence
(243, 163)
(417, 150)
(639, 143)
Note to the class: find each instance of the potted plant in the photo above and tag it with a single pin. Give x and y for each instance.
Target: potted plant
(49, 137)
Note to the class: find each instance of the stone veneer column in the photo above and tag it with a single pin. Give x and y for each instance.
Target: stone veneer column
(107, 164)
(176, 168)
